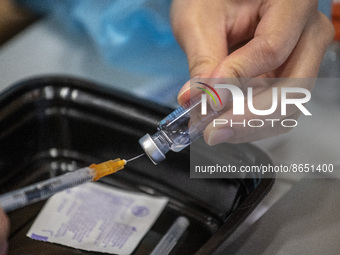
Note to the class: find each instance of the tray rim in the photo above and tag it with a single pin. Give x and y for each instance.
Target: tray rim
(235, 218)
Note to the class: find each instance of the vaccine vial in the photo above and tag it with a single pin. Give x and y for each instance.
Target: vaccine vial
(178, 130)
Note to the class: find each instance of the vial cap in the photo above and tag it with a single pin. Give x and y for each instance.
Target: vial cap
(151, 149)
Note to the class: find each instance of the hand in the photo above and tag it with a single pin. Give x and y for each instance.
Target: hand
(246, 39)
(4, 228)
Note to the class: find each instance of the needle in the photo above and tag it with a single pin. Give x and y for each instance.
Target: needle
(131, 159)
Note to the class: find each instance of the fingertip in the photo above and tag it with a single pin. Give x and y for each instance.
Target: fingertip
(184, 93)
(217, 136)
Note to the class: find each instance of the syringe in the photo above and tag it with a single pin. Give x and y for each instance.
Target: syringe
(44, 189)
(169, 240)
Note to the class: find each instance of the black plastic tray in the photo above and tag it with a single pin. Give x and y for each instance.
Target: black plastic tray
(52, 125)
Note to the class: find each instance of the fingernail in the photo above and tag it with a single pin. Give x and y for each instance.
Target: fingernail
(183, 97)
(184, 89)
(220, 135)
(3, 248)
(188, 85)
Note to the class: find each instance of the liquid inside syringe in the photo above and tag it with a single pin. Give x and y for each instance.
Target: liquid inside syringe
(42, 190)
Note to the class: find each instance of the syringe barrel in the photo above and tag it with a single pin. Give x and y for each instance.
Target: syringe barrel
(177, 130)
(44, 189)
(169, 240)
